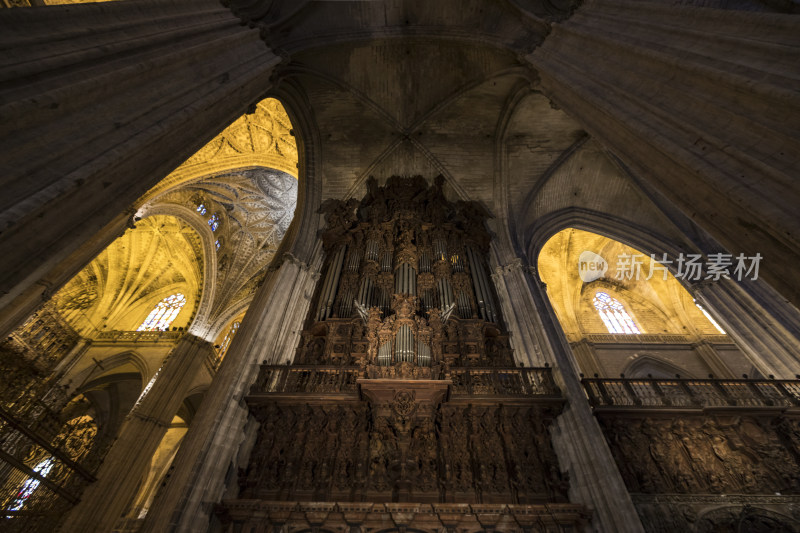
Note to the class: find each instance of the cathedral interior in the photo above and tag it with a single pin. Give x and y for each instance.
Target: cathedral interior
(373, 266)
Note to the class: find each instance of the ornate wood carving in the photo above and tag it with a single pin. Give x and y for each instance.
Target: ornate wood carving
(684, 447)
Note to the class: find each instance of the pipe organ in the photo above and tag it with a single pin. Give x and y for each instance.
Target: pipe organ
(404, 387)
(392, 253)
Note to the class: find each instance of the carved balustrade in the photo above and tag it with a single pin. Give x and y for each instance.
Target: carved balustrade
(139, 336)
(464, 381)
(691, 393)
(710, 448)
(306, 379)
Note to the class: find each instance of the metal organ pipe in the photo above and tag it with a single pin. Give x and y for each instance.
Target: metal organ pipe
(439, 249)
(445, 293)
(331, 282)
(371, 251)
(424, 263)
(385, 354)
(406, 280)
(475, 268)
(464, 309)
(423, 354)
(346, 299)
(487, 292)
(404, 347)
(479, 276)
(449, 288)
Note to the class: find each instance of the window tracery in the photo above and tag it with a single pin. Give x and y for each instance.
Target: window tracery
(614, 315)
(226, 342)
(214, 222)
(30, 485)
(163, 313)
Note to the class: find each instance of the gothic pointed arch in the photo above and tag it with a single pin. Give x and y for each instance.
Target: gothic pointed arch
(648, 365)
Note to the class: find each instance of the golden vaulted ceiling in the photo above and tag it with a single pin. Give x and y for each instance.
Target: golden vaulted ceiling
(247, 176)
(657, 306)
(160, 257)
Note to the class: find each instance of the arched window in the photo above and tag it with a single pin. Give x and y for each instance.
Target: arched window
(201, 208)
(226, 342)
(613, 314)
(29, 486)
(164, 313)
(218, 243)
(214, 222)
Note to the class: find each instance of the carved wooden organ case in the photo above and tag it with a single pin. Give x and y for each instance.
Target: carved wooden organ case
(404, 387)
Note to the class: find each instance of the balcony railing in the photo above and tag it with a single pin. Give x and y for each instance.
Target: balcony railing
(311, 379)
(139, 336)
(651, 338)
(472, 381)
(503, 382)
(691, 393)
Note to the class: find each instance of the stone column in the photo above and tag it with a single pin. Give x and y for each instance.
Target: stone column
(587, 359)
(128, 460)
(98, 103)
(695, 101)
(766, 342)
(515, 296)
(33, 296)
(269, 333)
(578, 440)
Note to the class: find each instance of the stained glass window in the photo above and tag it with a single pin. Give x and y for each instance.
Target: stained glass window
(201, 208)
(213, 222)
(226, 342)
(218, 243)
(164, 313)
(29, 485)
(711, 319)
(614, 315)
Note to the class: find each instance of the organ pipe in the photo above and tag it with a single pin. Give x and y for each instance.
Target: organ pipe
(371, 250)
(346, 304)
(423, 354)
(386, 262)
(385, 354)
(464, 309)
(328, 293)
(479, 281)
(375, 262)
(424, 263)
(406, 280)
(440, 249)
(404, 347)
(445, 293)
(352, 262)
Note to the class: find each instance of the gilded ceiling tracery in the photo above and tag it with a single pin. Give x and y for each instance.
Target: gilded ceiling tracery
(117, 290)
(255, 207)
(245, 178)
(263, 138)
